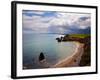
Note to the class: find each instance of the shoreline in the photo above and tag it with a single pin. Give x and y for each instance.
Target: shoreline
(72, 60)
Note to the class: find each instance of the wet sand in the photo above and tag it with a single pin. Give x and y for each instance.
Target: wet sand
(72, 60)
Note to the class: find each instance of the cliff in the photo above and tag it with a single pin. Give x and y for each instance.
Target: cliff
(84, 39)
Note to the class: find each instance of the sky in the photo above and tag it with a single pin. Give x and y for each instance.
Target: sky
(55, 22)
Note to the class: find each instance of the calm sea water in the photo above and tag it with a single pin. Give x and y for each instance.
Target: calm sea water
(34, 44)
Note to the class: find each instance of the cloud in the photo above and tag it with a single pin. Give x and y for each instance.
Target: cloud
(32, 13)
(49, 21)
(72, 19)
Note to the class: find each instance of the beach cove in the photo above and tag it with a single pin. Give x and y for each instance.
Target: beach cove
(74, 59)
(69, 52)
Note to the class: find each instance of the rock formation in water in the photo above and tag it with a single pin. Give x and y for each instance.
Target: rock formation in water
(41, 56)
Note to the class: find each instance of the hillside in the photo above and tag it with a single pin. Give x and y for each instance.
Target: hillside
(82, 38)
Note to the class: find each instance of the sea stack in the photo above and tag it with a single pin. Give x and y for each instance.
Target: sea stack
(41, 56)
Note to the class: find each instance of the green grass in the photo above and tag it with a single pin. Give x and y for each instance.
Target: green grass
(79, 35)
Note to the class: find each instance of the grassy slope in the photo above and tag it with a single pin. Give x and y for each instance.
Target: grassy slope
(79, 35)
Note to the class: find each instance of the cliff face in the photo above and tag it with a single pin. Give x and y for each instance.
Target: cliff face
(86, 57)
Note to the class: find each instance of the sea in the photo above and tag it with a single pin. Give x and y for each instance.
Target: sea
(54, 51)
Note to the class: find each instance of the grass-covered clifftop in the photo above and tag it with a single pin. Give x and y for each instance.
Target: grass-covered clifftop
(79, 35)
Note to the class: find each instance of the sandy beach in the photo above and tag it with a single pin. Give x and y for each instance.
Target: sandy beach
(72, 60)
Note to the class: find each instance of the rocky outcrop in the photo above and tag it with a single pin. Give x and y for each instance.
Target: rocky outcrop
(41, 56)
